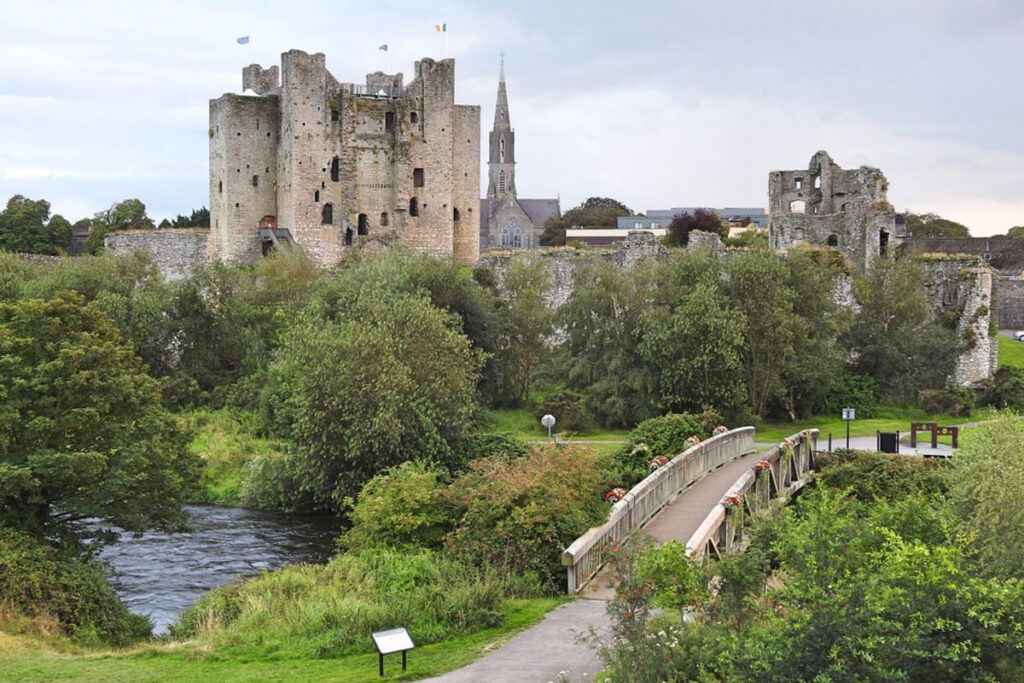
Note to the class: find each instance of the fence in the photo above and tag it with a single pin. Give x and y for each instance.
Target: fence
(583, 558)
(781, 471)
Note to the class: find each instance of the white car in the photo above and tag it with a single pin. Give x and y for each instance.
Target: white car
(1019, 336)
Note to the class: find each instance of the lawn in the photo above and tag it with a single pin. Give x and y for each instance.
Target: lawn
(523, 424)
(1011, 352)
(889, 420)
(26, 659)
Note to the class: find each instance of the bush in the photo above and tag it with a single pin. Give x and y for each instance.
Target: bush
(876, 476)
(490, 445)
(1007, 389)
(852, 390)
(330, 610)
(520, 513)
(568, 408)
(665, 435)
(42, 582)
(405, 506)
(955, 401)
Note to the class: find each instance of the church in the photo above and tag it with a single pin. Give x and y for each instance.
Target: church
(506, 221)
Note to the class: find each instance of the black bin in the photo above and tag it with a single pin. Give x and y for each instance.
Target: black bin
(889, 442)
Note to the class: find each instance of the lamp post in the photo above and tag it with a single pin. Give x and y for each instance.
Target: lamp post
(549, 422)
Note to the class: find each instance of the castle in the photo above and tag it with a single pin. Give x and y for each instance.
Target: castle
(827, 206)
(333, 167)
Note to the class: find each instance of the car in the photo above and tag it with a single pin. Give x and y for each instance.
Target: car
(1019, 335)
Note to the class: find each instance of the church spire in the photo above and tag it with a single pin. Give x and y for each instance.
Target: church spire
(501, 165)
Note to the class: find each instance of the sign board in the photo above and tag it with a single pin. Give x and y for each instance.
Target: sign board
(548, 421)
(393, 640)
(849, 414)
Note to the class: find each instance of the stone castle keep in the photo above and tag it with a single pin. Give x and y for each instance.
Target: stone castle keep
(333, 167)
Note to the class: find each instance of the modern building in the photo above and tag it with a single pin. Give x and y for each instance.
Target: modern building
(660, 218)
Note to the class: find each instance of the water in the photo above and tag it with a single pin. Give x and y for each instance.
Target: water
(162, 574)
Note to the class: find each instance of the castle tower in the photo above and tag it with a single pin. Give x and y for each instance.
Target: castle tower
(501, 167)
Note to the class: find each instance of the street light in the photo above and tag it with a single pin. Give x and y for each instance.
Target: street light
(549, 422)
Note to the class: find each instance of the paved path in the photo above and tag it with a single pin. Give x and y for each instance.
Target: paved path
(540, 654)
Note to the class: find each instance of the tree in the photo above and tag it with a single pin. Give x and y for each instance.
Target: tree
(896, 338)
(1016, 231)
(364, 382)
(526, 325)
(684, 223)
(600, 356)
(931, 225)
(199, 218)
(595, 212)
(129, 214)
(693, 337)
(82, 431)
(27, 227)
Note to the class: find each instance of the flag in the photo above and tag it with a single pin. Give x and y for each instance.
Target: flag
(244, 40)
(441, 28)
(383, 47)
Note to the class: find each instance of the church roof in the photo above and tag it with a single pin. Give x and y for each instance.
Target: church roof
(537, 210)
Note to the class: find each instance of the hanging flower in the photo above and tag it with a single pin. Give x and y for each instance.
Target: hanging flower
(658, 462)
(762, 466)
(615, 495)
(731, 502)
(720, 429)
(692, 440)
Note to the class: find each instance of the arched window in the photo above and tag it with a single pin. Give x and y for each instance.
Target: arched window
(414, 206)
(511, 233)
(384, 219)
(833, 241)
(501, 182)
(348, 237)
(363, 225)
(501, 149)
(327, 215)
(335, 169)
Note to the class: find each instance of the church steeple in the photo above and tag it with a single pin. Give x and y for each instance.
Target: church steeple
(502, 163)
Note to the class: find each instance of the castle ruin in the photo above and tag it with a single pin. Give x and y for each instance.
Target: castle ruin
(824, 205)
(333, 167)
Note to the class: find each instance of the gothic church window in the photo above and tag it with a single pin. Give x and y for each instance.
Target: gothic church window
(501, 150)
(511, 233)
(501, 182)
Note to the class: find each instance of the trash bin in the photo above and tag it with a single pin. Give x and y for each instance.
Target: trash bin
(889, 442)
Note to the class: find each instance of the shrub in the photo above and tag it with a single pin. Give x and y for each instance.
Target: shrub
(42, 582)
(876, 476)
(330, 610)
(568, 408)
(1007, 389)
(956, 401)
(852, 390)
(490, 445)
(405, 506)
(665, 435)
(520, 513)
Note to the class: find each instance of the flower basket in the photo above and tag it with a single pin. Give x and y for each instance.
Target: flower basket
(657, 463)
(615, 495)
(692, 441)
(732, 502)
(761, 466)
(720, 429)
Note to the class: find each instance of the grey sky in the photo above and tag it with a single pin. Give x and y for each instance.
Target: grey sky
(657, 104)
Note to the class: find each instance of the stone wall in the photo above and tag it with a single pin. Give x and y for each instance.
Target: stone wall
(176, 251)
(1010, 303)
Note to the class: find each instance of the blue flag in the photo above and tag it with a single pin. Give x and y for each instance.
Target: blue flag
(244, 40)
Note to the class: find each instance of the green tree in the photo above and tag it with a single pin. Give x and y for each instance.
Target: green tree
(693, 337)
(129, 214)
(595, 212)
(1016, 231)
(199, 218)
(365, 382)
(26, 226)
(896, 338)
(82, 431)
(527, 322)
(600, 356)
(931, 225)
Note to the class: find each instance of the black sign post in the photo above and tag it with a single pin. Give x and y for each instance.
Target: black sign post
(849, 415)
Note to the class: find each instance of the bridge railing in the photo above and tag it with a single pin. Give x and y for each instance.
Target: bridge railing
(780, 471)
(583, 558)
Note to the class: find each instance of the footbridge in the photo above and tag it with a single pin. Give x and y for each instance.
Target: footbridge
(702, 498)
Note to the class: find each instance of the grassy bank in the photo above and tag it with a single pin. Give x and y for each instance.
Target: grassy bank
(889, 420)
(1011, 352)
(524, 424)
(226, 441)
(28, 658)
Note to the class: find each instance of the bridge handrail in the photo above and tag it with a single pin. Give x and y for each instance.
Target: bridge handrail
(722, 529)
(583, 559)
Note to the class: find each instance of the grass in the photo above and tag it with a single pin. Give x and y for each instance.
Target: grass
(523, 424)
(226, 442)
(1011, 352)
(25, 658)
(889, 420)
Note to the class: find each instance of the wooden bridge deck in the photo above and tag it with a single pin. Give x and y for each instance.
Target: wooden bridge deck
(678, 520)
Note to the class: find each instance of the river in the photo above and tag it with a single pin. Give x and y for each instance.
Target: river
(161, 574)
